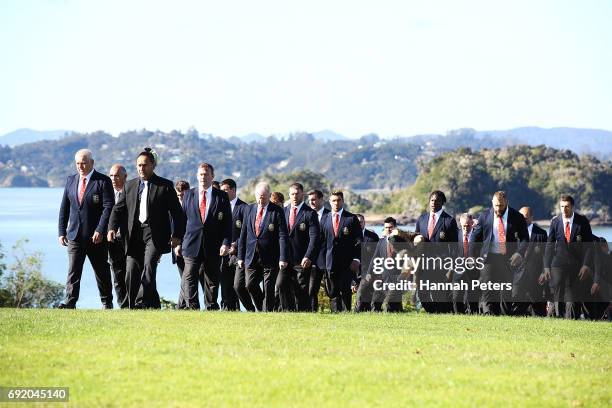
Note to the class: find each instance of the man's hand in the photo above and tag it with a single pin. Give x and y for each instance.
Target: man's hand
(110, 236)
(515, 259)
(233, 249)
(306, 263)
(178, 251)
(595, 289)
(174, 242)
(96, 238)
(240, 263)
(584, 273)
(224, 250)
(282, 264)
(354, 288)
(63, 241)
(545, 276)
(418, 239)
(355, 266)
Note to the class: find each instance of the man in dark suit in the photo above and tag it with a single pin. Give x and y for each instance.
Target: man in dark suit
(527, 291)
(116, 250)
(340, 232)
(233, 279)
(303, 226)
(177, 258)
(439, 230)
(568, 260)
(83, 220)
(208, 235)
(263, 248)
(148, 205)
(363, 288)
(315, 201)
(465, 301)
(501, 239)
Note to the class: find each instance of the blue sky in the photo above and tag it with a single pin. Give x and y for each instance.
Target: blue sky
(235, 67)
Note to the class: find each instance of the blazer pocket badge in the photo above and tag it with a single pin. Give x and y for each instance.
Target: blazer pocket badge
(579, 238)
(271, 227)
(537, 250)
(302, 227)
(442, 235)
(516, 236)
(345, 230)
(96, 199)
(220, 216)
(238, 224)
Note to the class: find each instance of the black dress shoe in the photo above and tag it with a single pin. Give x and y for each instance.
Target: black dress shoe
(65, 306)
(107, 306)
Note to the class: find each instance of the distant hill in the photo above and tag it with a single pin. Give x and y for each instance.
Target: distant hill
(21, 136)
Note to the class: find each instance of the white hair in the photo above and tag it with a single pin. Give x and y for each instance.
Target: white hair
(85, 153)
(262, 185)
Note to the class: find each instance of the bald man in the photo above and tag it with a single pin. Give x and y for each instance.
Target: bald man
(116, 249)
(528, 289)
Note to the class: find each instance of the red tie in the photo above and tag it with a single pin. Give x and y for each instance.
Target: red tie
(432, 224)
(203, 207)
(465, 245)
(567, 232)
(336, 224)
(502, 236)
(82, 191)
(292, 217)
(258, 220)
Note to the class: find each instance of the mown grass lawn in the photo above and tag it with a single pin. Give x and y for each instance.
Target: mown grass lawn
(170, 358)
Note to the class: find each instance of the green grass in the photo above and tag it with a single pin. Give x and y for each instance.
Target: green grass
(169, 358)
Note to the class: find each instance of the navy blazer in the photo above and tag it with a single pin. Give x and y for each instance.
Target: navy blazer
(340, 251)
(237, 216)
(80, 221)
(534, 257)
(517, 236)
(271, 243)
(320, 262)
(445, 230)
(367, 251)
(558, 253)
(162, 206)
(214, 232)
(304, 236)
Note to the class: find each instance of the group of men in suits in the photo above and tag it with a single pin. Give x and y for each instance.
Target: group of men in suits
(270, 258)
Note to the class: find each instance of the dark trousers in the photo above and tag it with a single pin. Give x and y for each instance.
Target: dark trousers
(116, 255)
(316, 275)
(496, 270)
(203, 269)
(465, 301)
(339, 284)
(98, 255)
(301, 287)
(570, 295)
(229, 298)
(434, 301)
(180, 265)
(141, 270)
(241, 289)
(364, 301)
(255, 274)
(285, 287)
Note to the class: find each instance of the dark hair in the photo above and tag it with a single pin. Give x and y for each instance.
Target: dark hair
(181, 185)
(337, 193)
(148, 153)
(297, 186)
(230, 183)
(207, 165)
(318, 193)
(568, 198)
(390, 220)
(501, 195)
(438, 194)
